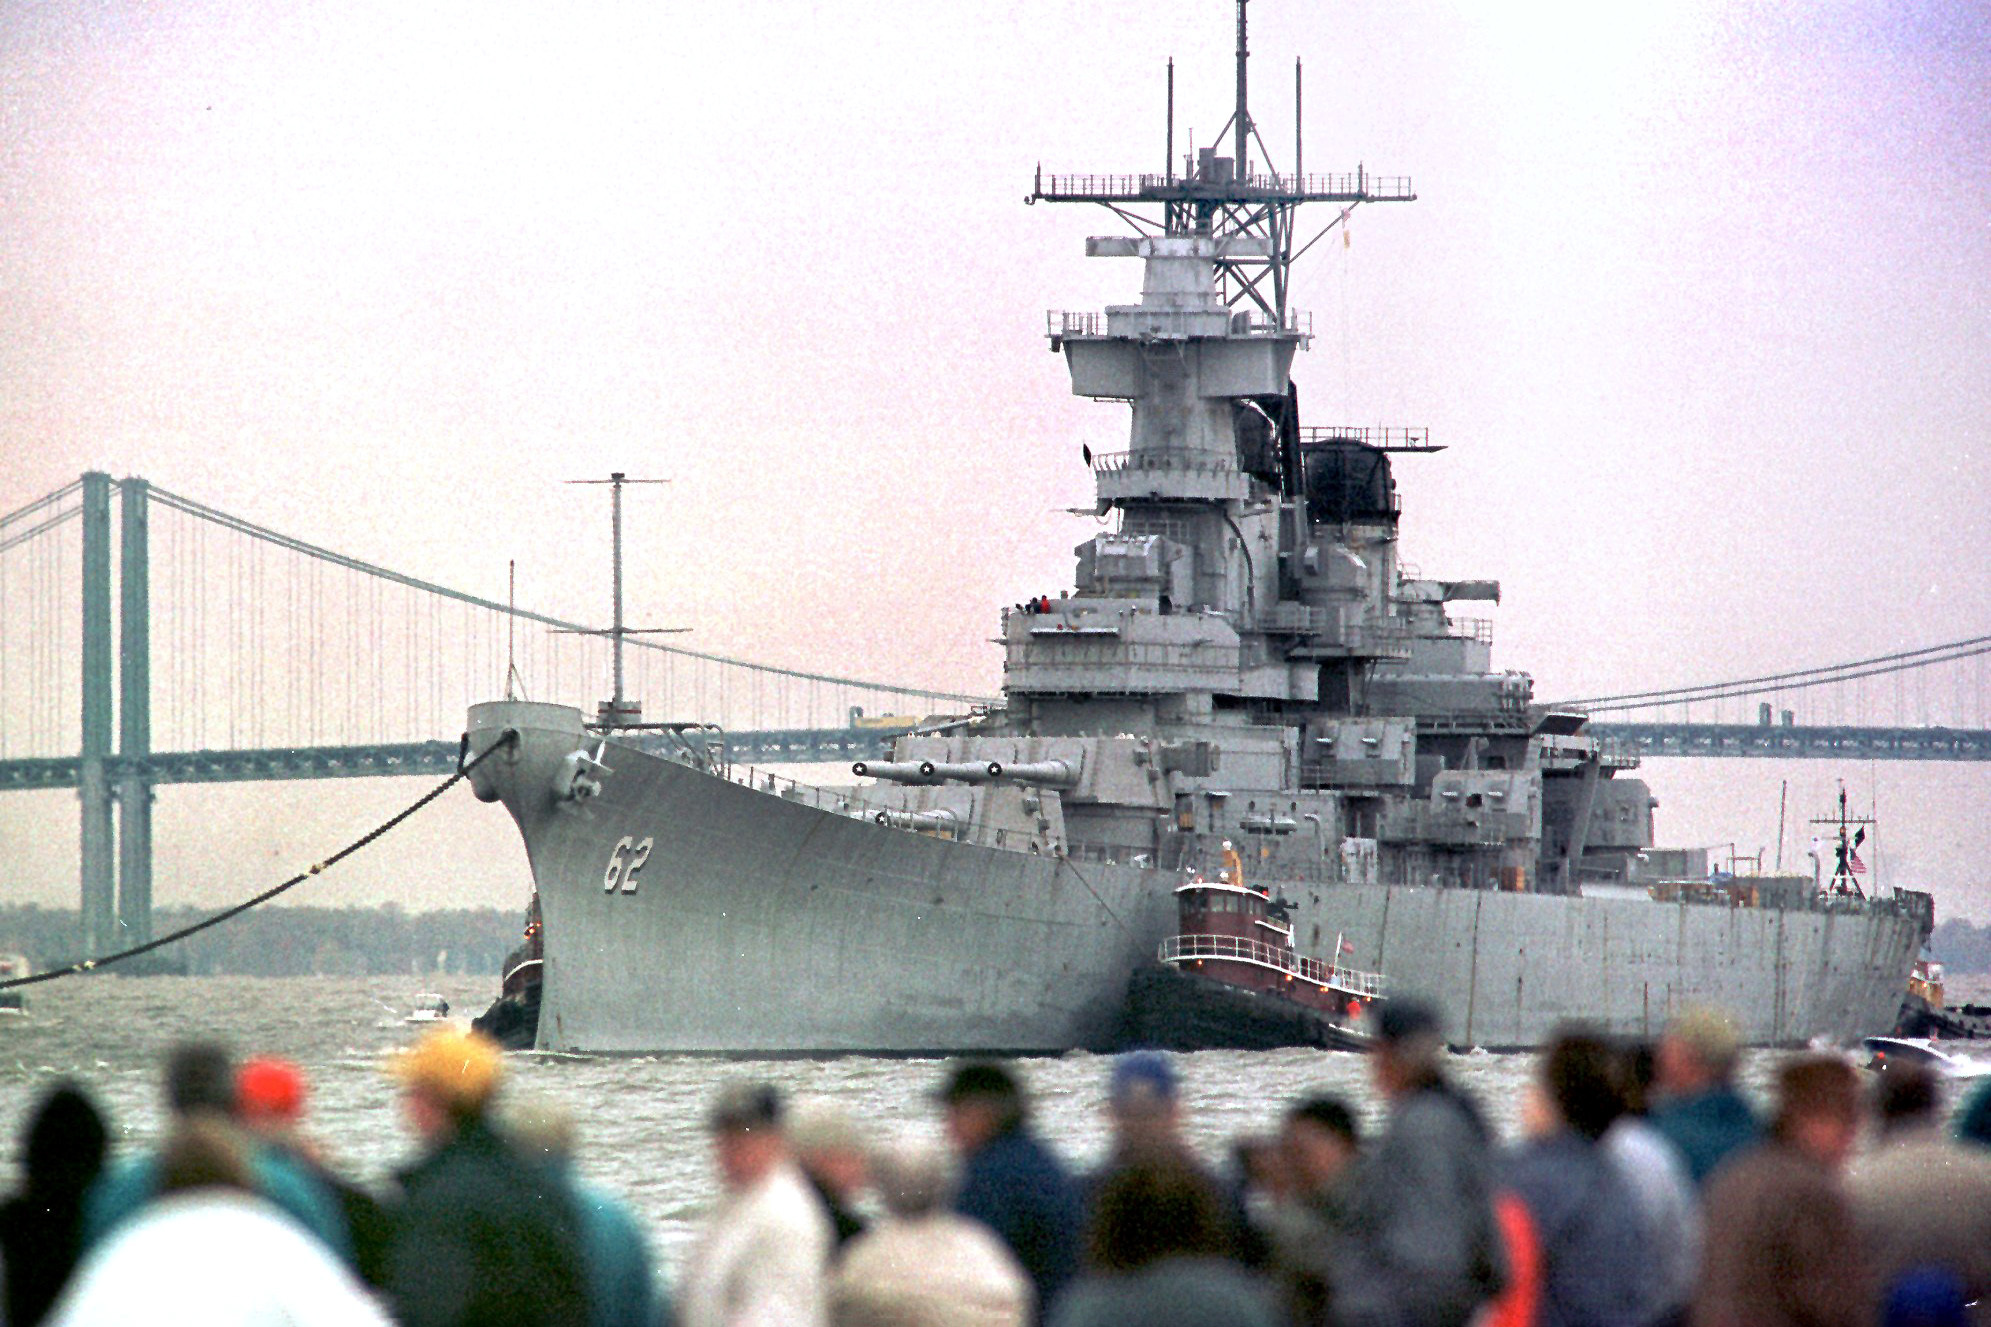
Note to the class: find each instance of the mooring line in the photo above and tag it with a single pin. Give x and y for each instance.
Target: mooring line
(317, 868)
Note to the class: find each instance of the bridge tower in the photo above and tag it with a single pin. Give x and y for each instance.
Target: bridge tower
(134, 788)
(116, 861)
(93, 784)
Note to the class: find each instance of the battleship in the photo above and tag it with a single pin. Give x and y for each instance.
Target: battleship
(1243, 658)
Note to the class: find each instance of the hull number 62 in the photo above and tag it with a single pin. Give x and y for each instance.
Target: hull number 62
(624, 861)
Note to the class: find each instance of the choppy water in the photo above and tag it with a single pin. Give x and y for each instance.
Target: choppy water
(639, 1118)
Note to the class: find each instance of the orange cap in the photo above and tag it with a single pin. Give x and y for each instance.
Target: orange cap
(270, 1087)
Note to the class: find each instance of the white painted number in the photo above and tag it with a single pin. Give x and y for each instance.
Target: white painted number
(624, 861)
(636, 864)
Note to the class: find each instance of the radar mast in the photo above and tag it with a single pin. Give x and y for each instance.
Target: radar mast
(1232, 198)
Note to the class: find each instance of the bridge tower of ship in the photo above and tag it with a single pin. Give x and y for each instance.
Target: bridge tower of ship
(1204, 360)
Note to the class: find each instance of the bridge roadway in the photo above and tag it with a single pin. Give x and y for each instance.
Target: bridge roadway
(799, 746)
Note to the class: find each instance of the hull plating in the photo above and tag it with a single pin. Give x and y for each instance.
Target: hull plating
(756, 924)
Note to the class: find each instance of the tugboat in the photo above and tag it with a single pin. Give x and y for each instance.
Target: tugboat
(1230, 979)
(513, 1018)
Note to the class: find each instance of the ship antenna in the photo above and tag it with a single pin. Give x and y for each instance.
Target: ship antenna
(1256, 215)
(619, 711)
(1243, 110)
(514, 683)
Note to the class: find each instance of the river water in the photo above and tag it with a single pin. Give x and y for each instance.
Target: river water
(639, 1118)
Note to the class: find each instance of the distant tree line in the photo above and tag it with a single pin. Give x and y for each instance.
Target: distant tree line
(1961, 946)
(278, 941)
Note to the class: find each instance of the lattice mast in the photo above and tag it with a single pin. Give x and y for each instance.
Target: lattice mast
(1230, 198)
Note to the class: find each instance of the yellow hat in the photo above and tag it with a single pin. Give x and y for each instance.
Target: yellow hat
(458, 1069)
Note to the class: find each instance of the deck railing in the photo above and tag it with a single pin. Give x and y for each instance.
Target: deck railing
(1184, 948)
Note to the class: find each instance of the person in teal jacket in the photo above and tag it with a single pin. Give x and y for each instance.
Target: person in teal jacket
(200, 1081)
(624, 1287)
(1697, 1108)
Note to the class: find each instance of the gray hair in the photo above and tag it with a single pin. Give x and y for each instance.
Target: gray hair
(914, 1176)
(819, 1125)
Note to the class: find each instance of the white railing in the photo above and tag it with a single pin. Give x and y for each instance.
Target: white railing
(1183, 948)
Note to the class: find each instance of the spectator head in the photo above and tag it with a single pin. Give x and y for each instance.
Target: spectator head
(1637, 1067)
(448, 1079)
(1579, 1082)
(1318, 1141)
(747, 1137)
(982, 1100)
(199, 1077)
(1143, 1101)
(1698, 1051)
(1818, 1108)
(828, 1144)
(1152, 1209)
(204, 1152)
(915, 1177)
(1405, 1054)
(65, 1144)
(269, 1095)
(1908, 1096)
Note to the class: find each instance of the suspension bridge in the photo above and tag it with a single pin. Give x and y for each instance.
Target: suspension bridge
(280, 660)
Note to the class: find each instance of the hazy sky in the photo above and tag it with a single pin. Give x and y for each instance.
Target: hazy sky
(1696, 294)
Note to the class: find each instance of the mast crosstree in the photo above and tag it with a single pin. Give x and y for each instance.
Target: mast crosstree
(1246, 205)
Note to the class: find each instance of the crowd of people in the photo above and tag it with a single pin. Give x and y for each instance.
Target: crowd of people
(1643, 1191)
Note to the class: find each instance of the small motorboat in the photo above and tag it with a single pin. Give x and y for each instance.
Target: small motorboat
(14, 1003)
(1885, 1053)
(429, 1008)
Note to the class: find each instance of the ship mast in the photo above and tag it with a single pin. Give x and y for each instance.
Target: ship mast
(1227, 198)
(619, 711)
(1847, 865)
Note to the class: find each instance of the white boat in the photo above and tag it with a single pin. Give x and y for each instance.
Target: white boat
(1887, 1052)
(429, 1008)
(13, 1003)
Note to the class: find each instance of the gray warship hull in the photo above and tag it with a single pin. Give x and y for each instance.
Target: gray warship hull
(758, 923)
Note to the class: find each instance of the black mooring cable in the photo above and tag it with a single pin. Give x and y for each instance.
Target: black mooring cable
(92, 964)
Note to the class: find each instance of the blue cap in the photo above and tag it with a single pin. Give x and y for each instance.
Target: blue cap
(1143, 1078)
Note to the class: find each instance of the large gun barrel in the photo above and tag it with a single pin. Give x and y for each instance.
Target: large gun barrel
(967, 771)
(898, 771)
(928, 771)
(941, 821)
(1044, 773)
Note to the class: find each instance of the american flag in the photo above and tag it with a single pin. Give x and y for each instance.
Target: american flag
(1853, 862)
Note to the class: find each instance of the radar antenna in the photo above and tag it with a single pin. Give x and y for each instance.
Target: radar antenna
(1227, 197)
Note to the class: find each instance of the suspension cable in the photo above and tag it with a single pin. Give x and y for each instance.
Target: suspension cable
(228, 522)
(1798, 680)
